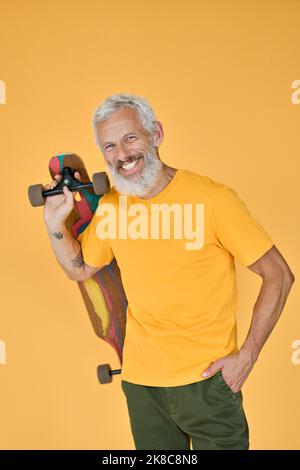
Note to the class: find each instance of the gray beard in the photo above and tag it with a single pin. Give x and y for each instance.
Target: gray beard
(147, 178)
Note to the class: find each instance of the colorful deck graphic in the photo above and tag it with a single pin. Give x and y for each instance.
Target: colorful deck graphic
(103, 294)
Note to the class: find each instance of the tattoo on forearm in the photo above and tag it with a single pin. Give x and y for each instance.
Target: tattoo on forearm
(58, 235)
(78, 261)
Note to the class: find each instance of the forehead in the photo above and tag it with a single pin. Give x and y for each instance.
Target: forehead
(119, 123)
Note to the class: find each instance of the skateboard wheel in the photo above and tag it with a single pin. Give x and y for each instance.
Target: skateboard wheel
(101, 183)
(35, 195)
(103, 373)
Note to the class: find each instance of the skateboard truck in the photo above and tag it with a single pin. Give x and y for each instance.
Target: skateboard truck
(104, 373)
(37, 193)
(69, 180)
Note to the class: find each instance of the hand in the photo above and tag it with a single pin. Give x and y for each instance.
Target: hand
(58, 208)
(235, 369)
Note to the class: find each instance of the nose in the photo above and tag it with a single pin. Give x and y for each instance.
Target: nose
(122, 152)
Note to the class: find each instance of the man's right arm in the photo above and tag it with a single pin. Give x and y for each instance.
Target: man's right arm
(67, 251)
(66, 248)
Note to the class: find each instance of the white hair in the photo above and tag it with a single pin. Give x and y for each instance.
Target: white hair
(115, 102)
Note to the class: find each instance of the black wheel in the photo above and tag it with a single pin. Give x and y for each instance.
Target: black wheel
(103, 373)
(101, 183)
(35, 195)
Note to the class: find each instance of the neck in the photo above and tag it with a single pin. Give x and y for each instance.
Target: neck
(166, 175)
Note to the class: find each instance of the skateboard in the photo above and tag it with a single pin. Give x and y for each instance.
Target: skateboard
(103, 294)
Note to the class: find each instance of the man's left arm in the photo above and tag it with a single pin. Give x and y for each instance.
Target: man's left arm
(277, 282)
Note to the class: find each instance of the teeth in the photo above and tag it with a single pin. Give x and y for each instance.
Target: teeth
(129, 166)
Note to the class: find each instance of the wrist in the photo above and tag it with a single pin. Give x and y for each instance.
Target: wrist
(248, 355)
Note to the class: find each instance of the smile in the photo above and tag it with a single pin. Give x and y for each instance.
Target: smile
(129, 166)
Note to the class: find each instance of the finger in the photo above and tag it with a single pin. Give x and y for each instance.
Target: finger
(217, 365)
(70, 198)
(47, 186)
(56, 180)
(69, 195)
(77, 175)
(53, 184)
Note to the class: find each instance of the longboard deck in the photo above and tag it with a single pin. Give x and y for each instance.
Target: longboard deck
(103, 294)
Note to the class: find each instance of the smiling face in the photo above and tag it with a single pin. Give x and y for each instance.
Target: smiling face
(130, 151)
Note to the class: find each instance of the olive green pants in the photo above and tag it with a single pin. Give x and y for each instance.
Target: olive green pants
(207, 412)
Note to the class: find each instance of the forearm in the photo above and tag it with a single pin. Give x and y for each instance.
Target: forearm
(266, 312)
(67, 251)
(277, 282)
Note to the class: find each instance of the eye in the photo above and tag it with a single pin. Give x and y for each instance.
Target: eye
(110, 145)
(131, 137)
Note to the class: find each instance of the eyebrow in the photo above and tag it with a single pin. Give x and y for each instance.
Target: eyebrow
(125, 135)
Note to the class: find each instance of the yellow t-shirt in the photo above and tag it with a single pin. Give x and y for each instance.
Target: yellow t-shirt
(182, 302)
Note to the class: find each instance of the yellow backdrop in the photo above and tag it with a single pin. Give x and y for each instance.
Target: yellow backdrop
(219, 76)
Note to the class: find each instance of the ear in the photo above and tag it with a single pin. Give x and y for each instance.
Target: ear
(158, 134)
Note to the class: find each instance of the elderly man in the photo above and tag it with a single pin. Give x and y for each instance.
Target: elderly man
(182, 369)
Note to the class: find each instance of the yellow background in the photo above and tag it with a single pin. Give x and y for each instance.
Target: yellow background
(218, 75)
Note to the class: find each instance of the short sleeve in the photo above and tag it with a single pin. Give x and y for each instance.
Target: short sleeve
(236, 229)
(96, 252)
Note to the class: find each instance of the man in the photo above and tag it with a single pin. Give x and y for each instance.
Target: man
(182, 370)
